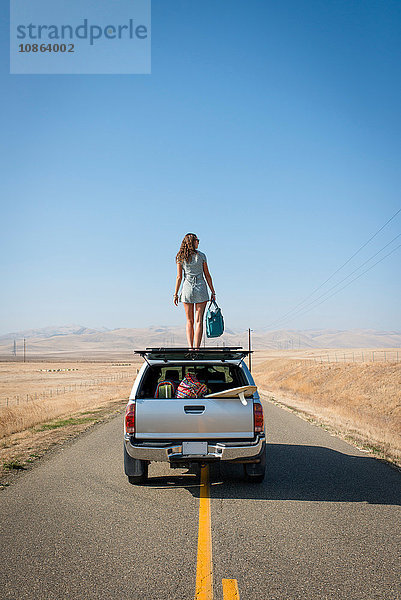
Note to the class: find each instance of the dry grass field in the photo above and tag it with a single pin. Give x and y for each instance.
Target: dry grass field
(32, 393)
(359, 400)
(48, 403)
(332, 355)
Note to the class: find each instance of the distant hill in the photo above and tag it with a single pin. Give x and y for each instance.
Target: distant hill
(78, 341)
(47, 332)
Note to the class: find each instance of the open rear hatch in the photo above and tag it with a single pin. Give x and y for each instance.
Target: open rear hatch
(156, 355)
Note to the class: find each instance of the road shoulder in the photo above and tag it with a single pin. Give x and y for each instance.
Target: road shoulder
(20, 452)
(349, 435)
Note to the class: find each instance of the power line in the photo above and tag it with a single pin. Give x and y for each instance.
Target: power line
(346, 285)
(336, 271)
(341, 281)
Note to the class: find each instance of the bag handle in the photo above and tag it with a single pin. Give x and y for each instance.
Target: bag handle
(213, 302)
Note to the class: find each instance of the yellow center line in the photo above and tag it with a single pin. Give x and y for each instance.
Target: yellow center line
(204, 567)
(230, 589)
(204, 571)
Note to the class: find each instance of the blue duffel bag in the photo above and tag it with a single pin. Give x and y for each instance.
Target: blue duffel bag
(214, 321)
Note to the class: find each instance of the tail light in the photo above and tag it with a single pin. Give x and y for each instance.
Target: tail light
(258, 421)
(130, 418)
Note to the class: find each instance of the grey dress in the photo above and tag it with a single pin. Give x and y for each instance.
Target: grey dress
(194, 287)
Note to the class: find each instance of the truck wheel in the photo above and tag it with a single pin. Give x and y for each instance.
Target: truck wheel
(135, 469)
(255, 472)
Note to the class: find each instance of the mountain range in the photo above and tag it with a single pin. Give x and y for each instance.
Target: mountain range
(77, 340)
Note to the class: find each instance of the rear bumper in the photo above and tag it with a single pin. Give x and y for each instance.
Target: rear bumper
(244, 452)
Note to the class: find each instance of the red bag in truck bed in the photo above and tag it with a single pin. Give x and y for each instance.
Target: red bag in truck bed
(190, 387)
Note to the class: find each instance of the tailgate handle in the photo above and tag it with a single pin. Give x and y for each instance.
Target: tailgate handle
(194, 410)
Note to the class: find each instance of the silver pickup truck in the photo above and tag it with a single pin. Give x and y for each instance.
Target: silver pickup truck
(183, 431)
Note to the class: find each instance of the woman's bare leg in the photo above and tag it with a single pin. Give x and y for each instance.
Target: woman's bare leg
(189, 312)
(200, 311)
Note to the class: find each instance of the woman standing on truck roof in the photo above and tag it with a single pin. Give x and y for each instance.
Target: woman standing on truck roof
(192, 266)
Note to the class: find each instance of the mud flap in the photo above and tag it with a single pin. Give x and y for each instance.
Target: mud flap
(256, 470)
(134, 467)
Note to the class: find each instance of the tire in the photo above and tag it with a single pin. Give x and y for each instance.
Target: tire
(135, 469)
(255, 472)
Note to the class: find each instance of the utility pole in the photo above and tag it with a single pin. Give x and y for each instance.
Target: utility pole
(15, 348)
(250, 349)
(24, 350)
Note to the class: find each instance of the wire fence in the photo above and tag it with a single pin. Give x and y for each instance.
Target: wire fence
(62, 389)
(369, 356)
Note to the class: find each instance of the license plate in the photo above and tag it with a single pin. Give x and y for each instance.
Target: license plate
(194, 448)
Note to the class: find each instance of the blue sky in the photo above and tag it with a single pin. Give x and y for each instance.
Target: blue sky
(272, 130)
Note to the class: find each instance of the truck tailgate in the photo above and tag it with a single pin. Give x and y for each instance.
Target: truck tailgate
(199, 418)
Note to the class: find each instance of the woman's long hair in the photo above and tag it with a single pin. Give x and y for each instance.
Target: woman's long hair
(187, 249)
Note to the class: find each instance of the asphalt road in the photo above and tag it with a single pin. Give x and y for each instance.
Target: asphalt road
(325, 524)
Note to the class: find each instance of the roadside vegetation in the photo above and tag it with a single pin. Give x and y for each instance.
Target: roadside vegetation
(48, 407)
(359, 401)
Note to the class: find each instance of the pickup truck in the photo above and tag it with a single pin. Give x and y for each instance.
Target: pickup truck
(184, 431)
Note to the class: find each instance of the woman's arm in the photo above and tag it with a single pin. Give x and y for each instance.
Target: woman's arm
(177, 283)
(208, 278)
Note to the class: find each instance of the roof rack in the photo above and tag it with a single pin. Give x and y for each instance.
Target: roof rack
(209, 353)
